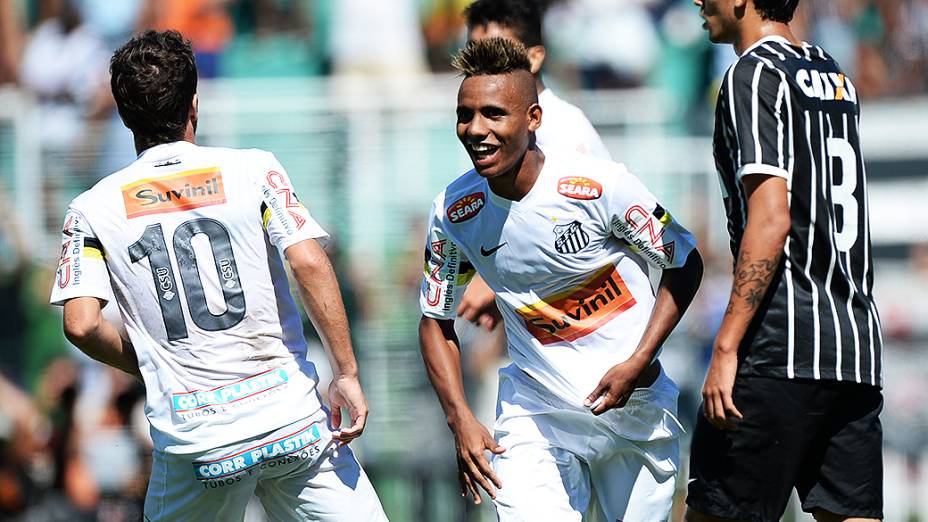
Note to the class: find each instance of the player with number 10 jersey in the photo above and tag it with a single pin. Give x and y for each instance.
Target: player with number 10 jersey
(205, 299)
(191, 241)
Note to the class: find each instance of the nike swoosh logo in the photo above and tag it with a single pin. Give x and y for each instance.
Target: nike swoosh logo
(487, 253)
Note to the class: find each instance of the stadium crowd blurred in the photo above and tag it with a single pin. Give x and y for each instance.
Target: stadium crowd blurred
(73, 438)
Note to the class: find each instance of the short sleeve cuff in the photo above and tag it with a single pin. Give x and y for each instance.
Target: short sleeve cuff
(762, 168)
(311, 230)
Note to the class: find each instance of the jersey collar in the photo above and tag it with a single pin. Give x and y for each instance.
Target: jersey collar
(770, 38)
(509, 204)
(165, 150)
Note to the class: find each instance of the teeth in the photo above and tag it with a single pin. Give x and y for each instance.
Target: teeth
(481, 148)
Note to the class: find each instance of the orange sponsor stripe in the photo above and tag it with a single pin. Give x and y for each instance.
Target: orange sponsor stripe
(176, 192)
(579, 311)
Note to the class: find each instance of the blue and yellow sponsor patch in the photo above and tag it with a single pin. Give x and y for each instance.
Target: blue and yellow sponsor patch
(262, 382)
(248, 458)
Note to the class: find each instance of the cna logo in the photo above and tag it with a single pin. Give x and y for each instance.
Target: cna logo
(579, 311)
(578, 187)
(466, 207)
(291, 203)
(183, 191)
(645, 231)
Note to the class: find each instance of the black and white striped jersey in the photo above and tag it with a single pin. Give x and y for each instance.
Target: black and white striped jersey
(789, 111)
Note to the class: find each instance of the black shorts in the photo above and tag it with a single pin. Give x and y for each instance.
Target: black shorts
(823, 438)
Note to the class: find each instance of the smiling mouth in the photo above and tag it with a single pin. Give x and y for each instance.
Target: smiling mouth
(482, 153)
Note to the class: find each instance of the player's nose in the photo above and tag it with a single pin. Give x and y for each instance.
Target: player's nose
(477, 128)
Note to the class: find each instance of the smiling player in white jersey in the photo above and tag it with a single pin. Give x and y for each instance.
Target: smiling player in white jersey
(564, 240)
(564, 127)
(191, 239)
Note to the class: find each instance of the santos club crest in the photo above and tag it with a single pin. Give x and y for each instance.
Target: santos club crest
(570, 238)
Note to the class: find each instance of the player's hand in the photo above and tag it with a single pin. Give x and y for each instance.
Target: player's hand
(345, 392)
(718, 406)
(478, 304)
(471, 440)
(615, 387)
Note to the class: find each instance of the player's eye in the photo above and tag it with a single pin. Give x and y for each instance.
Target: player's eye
(493, 112)
(465, 115)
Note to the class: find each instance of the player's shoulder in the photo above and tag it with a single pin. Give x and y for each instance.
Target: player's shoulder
(461, 198)
(773, 56)
(576, 175)
(100, 194)
(561, 111)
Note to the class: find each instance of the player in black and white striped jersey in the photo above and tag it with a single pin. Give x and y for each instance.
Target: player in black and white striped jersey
(792, 397)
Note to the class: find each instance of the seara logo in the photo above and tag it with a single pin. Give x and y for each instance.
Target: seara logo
(183, 191)
(579, 311)
(578, 187)
(466, 207)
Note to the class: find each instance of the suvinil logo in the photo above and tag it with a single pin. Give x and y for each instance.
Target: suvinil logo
(466, 207)
(183, 191)
(578, 311)
(578, 187)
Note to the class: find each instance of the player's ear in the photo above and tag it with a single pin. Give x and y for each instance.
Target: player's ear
(536, 57)
(194, 114)
(534, 117)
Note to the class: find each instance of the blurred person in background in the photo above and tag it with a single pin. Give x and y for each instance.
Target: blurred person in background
(585, 411)
(11, 36)
(564, 127)
(277, 38)
(792, 397)
(376, 38)
(231, 397)
(64, 66)
(613, 43)
(14, 262)
(205, 22)
(906, 417)
(442, 26)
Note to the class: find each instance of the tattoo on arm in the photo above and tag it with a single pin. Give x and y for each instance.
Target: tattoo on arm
(752, 277)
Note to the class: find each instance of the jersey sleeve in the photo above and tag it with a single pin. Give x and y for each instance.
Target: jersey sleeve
(759, 117)
(286, 219)
(82, 268)
(639, 219)
(446, 272)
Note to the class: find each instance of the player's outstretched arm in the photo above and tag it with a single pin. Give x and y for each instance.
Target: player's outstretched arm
(674, 294)
(442, 355)
(758, 260)
(323, 302)
(86, 328)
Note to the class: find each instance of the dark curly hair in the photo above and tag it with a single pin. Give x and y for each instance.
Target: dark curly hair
(154, 79)
(522, 16)
(776, 10)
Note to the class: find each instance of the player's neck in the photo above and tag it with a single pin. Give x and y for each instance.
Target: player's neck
(143, 143)
(539, 84)
(515, 184)
(755, 30)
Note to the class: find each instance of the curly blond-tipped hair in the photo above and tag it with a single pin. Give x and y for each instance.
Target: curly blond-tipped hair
(491, 56)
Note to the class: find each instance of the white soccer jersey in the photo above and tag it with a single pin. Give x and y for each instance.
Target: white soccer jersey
(191, 240)
(568, 264)
(565, 126)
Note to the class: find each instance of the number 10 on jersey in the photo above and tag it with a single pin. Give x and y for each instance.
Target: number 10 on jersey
(153, 246)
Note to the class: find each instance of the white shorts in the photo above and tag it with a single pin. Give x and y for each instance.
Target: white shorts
(297, 473)
(564, 464)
